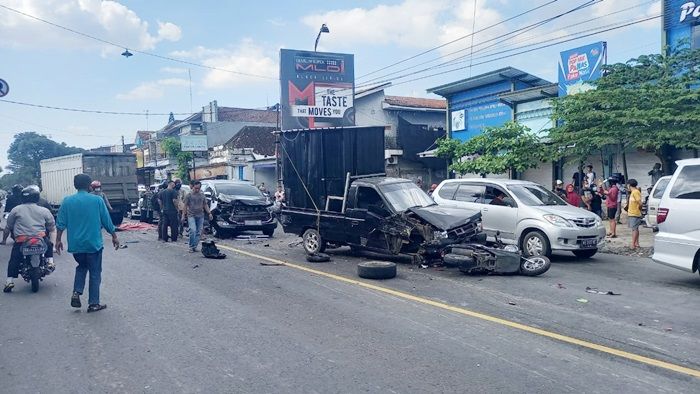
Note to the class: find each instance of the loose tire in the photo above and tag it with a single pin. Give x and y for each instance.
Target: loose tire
(313, 242)
(534, 265)
(35, 276)
(535, 243)
(585, 254)
(376, 270)
(318, 258)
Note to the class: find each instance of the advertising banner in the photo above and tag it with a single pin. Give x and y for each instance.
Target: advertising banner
(193, 143)
(681, 12)
(579, 66)
(318, 89)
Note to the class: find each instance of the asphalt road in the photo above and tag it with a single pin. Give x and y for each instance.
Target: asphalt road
(177, 322)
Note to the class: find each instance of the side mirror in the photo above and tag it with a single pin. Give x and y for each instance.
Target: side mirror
(207, 195)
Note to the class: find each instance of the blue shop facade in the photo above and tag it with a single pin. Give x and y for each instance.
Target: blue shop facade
(681, 23)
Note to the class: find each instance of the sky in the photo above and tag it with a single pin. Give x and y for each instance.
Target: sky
(240, 40)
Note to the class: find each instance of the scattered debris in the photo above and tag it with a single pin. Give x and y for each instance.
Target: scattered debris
(318, 258)
(594, 290)
(560, 286)
(267, 245)
(123, 246)
(582, 300)
(270, 264)
(132, 242)
(210, 251)
(668, 329)
(136, 226)
(424, 266)
(194, 267)
(641, 324)
(295, 244)
(512, 303)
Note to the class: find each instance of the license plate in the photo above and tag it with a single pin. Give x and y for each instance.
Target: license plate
(589, 243)
(253, 222)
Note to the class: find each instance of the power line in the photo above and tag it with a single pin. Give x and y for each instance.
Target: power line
(135, 50)
(460, 38)
(471, 47)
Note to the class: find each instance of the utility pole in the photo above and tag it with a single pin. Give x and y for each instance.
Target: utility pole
(123, 146)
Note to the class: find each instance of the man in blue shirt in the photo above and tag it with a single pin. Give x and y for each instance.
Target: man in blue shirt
(83, 215)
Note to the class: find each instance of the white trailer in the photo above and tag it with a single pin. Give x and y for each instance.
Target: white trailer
(116, 172)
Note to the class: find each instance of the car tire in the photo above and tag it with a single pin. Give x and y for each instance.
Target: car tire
(376, 270)
(585, 254)
(312, 241)
(269, 232)
(534, 265)
(318, 258)
(538, 244)
(216, 232)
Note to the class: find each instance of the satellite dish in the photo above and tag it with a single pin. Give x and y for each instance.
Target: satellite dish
(127, 54)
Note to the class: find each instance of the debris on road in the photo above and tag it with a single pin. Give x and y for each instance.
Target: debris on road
(512, 303)
(668, 329)
(594, 290)
(194, 267)
(136, 226)
(560, 286)
(376, 270)
(295, 244)
(270, 264)
(318, 258)
(210, 251)
(582, 300)
(132, 242)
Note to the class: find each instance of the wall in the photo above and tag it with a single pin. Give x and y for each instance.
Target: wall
(483, 109)
(536, 115)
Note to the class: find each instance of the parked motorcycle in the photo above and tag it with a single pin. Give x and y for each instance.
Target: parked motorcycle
(34, 266)
(475, 258)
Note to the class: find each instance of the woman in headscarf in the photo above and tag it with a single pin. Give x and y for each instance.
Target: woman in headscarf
(571, 196)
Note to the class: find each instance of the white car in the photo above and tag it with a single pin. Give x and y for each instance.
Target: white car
(677, 244)
(528, 215)
(654, 198)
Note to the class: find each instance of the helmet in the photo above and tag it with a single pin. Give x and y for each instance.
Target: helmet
(30, 194)
(35, 187)
(17, 189)
(96, 184)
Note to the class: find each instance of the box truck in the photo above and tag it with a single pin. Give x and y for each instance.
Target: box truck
(116, 172)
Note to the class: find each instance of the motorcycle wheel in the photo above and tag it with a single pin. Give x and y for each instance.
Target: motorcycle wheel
(534, 265)
(35, 276)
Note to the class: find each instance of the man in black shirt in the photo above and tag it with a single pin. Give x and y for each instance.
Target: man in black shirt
(169, 207)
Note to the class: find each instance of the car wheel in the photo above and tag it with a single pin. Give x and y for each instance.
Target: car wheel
(318, 258)
(585, 254)
(535, 243)
(217, 232)
(376, 270)
(534, 265)
(313, 242)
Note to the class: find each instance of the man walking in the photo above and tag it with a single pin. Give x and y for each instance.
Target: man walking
(196, 205)
(83, 216)
(169, 204)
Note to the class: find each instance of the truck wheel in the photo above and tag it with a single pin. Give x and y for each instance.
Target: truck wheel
(313, 242)
(376, 270)
(535, 243)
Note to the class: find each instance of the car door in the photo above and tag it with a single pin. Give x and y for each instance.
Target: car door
(496, 217)
(362, 224)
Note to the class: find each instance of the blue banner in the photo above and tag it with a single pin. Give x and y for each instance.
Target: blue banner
(681, 12)
(579, 66)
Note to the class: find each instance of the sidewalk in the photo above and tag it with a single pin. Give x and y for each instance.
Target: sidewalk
(621, 244)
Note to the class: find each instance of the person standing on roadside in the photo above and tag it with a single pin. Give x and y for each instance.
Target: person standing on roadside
(169, 204)
(611, 201)
(634, 210)
(656, 173)
(196, 205)
(180, 204)
(83, 216)
(157, 207)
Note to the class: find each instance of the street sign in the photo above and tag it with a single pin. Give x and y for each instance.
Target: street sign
(193, 143)
(4, 88)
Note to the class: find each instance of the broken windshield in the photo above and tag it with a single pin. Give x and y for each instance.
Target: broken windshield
(404, 195)
(535, 195)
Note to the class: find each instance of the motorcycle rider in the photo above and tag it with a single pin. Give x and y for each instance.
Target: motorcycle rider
(29, 220)
(13, 200)
(96, 187)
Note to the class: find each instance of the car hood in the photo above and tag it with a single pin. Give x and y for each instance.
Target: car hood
(567, 211)
(246, 200)
(445, 218)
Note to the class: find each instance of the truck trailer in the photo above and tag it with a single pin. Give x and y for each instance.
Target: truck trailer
(116, 172)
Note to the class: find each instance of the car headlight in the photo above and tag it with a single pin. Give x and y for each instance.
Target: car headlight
(598, 221)
(439, 234)
(557, 220)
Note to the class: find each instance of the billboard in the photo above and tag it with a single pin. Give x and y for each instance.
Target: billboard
(193, 143)
(318, 89)
(579, 66)
(680, 12)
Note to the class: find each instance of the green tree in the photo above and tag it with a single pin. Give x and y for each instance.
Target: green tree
(497, 150)
(173, 149)
(25, 153)
(650, 103)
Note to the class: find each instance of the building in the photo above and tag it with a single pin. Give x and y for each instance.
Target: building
(411, 126)
(681, 23)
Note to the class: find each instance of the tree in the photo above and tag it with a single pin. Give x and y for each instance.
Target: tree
(650, 103)
(25, 153)
(496, 151)
(173, 148)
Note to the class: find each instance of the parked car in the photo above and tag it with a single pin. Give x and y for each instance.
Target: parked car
(677, 244)
(238, 206)
(526, 214)
(654, 198)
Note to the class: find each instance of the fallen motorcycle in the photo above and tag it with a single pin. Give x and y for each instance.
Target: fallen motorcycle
(475, 258)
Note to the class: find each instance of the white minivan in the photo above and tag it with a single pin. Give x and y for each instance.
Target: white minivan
(525, 214)
(677, 244)
(654, 199)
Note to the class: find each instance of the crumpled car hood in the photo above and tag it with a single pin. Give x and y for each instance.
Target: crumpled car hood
(445, 218)
(247, 200)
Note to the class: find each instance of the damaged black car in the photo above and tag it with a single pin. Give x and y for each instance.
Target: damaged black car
(236, 207)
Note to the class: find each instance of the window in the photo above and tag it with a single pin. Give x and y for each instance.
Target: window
(367, 196)
(535, 195)
(661, 187)
(235, 189)
(695, 37)
(470, 193)
(687, 184)
(492, 192)
(447, 191)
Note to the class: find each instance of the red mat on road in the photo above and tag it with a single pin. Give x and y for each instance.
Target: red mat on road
(136, 226)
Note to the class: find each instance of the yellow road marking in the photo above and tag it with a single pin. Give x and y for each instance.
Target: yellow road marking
(482, 316)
